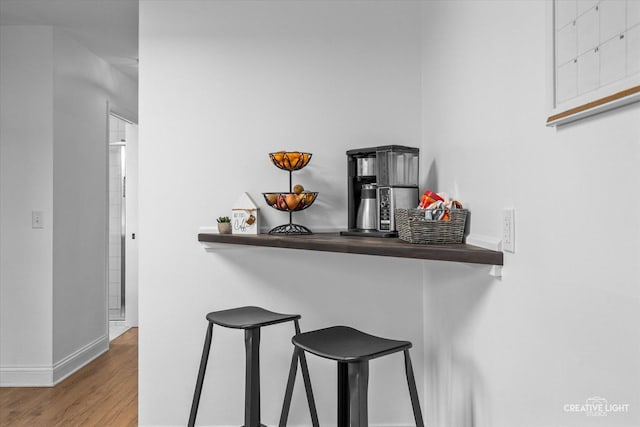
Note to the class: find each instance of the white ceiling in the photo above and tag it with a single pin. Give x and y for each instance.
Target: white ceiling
(109, 28)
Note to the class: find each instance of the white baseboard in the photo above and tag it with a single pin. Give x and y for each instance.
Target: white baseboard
(33, 376)
(48, 376)
(79, 358)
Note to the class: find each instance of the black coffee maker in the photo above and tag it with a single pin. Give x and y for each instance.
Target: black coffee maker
(388, 174)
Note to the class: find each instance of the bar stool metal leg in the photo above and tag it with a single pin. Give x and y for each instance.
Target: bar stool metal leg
(343, 394)
(284, 415)
(358, 399)
(252, 378)
(203, 368)
(353, 381)
(298, 355)
(413, 392)
(307, 382)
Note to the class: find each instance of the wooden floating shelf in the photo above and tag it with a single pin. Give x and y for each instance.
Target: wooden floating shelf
(334, 242)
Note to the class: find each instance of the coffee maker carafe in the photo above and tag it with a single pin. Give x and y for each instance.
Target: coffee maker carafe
(367, 216)
(391, 174)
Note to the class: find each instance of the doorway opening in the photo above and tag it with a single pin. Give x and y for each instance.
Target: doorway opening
(122, 261)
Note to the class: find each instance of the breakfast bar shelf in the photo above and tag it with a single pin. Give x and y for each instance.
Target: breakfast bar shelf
(334, 242)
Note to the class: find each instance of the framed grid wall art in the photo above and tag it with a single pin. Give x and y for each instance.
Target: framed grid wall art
(596, 57)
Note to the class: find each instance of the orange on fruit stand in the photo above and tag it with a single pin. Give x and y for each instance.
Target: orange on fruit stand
(290, 160)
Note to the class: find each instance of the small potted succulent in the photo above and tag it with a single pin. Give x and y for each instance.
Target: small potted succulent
(224, 225)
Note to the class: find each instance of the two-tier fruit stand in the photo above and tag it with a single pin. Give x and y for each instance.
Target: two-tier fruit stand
(292, 201)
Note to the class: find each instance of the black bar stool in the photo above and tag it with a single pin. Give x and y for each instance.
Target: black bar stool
(251, 319)
(352, 349)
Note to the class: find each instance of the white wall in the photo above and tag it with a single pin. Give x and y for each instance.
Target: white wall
(82, 85)
(54, 157)
(26, 174)
(561, 325)
(223, 84)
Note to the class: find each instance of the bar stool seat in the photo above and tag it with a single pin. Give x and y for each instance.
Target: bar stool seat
(345, 344)
(352, 349)
(250, 319)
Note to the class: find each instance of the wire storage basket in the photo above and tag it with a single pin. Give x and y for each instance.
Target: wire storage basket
(414, 228)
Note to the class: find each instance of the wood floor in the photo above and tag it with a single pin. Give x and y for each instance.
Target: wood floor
(103, 393)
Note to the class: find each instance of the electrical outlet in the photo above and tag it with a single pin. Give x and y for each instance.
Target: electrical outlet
(37, 220)
(508, 230)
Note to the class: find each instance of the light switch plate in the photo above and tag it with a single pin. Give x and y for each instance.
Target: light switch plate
(508, 230)
(37, 219)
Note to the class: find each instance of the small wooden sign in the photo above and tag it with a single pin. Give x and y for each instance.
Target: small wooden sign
(244, 216)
